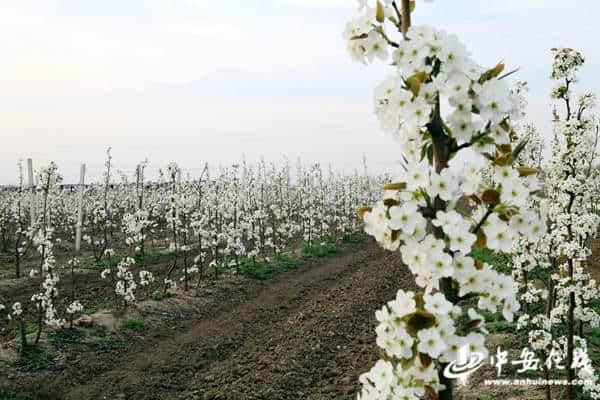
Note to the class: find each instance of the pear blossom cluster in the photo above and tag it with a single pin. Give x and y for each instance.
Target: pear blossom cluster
(135, 226)
(452, 118)
(123, 279)
(146, 278)
(75, 307)
(558, 309)
(17, 309)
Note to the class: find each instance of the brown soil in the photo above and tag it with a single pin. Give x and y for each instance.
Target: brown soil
(304, 334)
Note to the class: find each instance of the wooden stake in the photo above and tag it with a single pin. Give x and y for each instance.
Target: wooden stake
(79, 208)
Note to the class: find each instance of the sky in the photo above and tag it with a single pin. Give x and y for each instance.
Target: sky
(197, 81)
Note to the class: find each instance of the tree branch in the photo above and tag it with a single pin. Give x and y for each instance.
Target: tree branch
(485, 217)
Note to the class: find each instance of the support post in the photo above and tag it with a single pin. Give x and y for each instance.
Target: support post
(79, 208)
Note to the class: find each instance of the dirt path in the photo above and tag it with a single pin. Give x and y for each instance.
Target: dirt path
(306, 334)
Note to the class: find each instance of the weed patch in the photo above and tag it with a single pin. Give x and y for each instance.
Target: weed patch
(107, 345)
(35, 358)
(159, 295)
(65, 337)
(257, 270)
(322, 249)
(136, 325)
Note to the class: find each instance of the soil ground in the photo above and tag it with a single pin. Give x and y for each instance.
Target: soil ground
(303, 334)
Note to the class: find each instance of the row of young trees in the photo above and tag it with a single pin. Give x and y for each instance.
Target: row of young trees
(457, 126)
(239, 215)
(556, 288)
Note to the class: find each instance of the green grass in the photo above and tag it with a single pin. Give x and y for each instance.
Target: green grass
(65, 337)
(592, 335)
(321, 248)
(133, 324)
(35, 358)
(159, 295)
(150, 257)
(320, 251)
(108, 344)
(263, 270)
(288, 260)
(153, 256)
(91, 263)
(29, 329)
(257, 270)
(353, 238)
(98, 331)
(97, 307)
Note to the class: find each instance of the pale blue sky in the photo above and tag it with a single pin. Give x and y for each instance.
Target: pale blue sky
(199, 80)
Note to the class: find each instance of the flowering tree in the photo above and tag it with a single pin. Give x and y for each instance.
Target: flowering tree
(137, 221)
(44, 301)
(123, 284)
(21, 220)
(100, 219)
(452, 118)
(558, 309)
(199, 225)
(182, 222)
(75, 305)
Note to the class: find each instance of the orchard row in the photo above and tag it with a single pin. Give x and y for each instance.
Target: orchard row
(217, 222)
